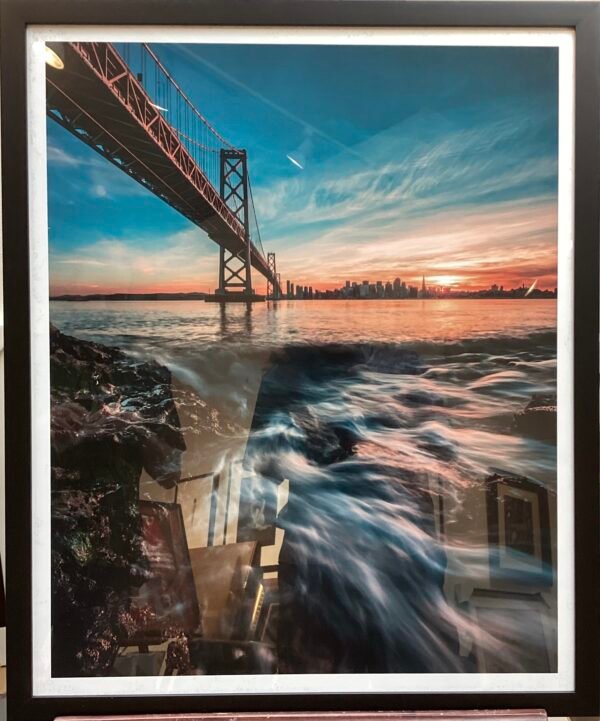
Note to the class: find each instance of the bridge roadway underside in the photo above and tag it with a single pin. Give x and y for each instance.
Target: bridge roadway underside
(86, 106)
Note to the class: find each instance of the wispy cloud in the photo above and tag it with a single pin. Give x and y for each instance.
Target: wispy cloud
(58, 156)
(412, 175)
(181, 263)
(99, 191)
(81, 261)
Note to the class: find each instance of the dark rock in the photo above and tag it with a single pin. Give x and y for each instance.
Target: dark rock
(112, 417)
(323, 443)
(538, 418)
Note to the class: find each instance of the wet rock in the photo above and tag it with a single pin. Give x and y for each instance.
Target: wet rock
(323, 443)
(112, 417)
(105, 403)
(538, 418)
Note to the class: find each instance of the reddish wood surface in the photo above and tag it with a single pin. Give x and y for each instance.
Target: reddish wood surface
(496, 715)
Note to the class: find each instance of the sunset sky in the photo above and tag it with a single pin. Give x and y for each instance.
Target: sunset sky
(439, 162)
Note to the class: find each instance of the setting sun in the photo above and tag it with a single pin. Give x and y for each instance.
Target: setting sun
(444, 280)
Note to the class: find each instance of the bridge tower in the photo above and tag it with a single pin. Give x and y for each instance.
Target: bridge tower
(235, 268)
(272, 287)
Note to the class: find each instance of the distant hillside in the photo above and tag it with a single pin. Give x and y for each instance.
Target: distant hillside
(132, 296)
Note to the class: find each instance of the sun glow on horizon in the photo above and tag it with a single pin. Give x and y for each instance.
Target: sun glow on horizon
(444, 280)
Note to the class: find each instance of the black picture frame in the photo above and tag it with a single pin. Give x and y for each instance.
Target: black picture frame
(584, 18)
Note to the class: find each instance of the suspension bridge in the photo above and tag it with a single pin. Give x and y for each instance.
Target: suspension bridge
(121, 101)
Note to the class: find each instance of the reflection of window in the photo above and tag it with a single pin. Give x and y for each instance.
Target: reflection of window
(518, 525)
(519, 530)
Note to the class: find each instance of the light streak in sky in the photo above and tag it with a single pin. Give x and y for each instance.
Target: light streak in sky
(531, 287)
(295, 162)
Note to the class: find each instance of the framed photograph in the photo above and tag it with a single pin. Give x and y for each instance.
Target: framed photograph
(519, 528)
(301, 356)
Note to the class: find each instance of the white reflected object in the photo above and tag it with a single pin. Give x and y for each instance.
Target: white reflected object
(53, 59)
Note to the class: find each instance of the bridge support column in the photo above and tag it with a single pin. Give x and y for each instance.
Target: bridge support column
(273, 281)
(234, 273)
(235, 269)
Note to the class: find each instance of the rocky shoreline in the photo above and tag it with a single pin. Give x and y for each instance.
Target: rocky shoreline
(112, 418)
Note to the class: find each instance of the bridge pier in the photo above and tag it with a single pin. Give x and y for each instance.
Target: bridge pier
(235, 280)
(273, 283)
(235, 275)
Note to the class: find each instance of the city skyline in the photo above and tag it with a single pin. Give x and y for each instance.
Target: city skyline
(401, 290)
(343, 190)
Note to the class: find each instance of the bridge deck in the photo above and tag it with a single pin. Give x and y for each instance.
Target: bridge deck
(99, 100)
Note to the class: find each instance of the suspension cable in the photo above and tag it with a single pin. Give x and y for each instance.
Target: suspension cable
(214, 131)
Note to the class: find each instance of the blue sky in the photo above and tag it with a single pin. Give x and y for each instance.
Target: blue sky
(436, 161)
